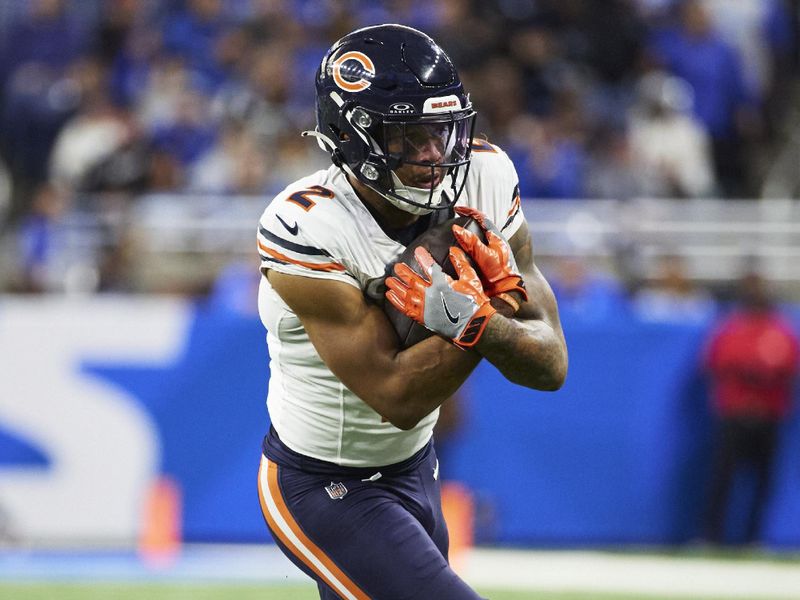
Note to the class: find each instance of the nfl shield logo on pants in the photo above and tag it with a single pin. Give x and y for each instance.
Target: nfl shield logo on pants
(336, 490)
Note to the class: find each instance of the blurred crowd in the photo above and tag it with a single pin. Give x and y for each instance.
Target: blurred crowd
(612, 99)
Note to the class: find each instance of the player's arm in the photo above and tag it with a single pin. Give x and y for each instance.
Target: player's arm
(358, 344)
(529, 349)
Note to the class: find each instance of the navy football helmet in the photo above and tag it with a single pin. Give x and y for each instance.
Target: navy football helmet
(388, 96)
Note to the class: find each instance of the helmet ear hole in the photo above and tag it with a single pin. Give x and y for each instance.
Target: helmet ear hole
(338, 134)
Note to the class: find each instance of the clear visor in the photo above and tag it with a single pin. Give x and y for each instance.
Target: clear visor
(441, 143)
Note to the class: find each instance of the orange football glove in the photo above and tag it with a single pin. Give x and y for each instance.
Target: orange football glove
(499, 271)
(456, 309)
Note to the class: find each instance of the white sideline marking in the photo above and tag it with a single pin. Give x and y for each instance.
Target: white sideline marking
(598, 572)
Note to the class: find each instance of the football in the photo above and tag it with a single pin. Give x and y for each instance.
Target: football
(437, 240)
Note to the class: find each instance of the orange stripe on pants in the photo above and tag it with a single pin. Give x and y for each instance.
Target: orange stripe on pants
(340, 580)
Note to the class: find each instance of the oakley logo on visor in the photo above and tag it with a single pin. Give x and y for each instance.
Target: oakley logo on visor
(354, 76)
(401, 107)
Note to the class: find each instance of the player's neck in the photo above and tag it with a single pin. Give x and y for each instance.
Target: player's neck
(388, 215)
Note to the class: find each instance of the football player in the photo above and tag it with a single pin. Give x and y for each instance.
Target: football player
(348, 481)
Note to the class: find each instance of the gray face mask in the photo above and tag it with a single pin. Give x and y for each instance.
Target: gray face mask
(418, 195)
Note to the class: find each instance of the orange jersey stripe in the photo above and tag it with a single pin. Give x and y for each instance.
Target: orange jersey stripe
(514, 205)
(275, 493)
(331, 266)
(482, 146)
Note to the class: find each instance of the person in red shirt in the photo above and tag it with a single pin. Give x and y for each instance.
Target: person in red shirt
(752, 363)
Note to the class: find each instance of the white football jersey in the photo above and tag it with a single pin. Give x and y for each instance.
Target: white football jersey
(319, 228)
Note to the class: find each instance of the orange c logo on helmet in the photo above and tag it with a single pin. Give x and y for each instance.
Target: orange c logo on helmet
(360, 84)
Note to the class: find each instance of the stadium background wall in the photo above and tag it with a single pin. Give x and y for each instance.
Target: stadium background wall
(99, 397)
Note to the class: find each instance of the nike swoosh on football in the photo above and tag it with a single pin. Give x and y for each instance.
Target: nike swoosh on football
(450, 317)
(291, 229)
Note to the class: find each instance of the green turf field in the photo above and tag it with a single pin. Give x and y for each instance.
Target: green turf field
(130, 591)
(636, 575)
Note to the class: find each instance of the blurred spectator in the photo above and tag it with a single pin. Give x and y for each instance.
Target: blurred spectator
(605, 41)
(189, 134)
(295, 156)
(671, 151)
(269, 79)
(469, 36)
(752, 363)
(655, 11)
(782, 43)
(93, 134)
(585, 292)
(193, 34)
(414, 13)
(164, 172)
(117, 20)
(125, 169)
(5, 193)
(500, 97)
(612, 172)
(164, 83)
(142, 96)
(186, 68)
(37, 103)
(671, 296)
(762, 32)
(607, 36)
(695, 52)
(133, 63)
(40, 241)
(45, 37)
(35, 96)
(758, 29)
(235, 289)
(235, 164)
(115, 264)
(550, 156)
(536, 49)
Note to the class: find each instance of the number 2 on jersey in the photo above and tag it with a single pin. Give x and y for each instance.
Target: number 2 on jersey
(301, 197)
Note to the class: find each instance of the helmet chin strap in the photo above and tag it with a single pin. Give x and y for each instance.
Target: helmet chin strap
(414, 194)
(323, 141)
(418, 195)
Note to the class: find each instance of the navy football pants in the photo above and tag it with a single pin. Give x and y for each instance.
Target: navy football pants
(382, 538)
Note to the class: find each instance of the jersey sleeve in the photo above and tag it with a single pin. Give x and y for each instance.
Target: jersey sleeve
(494, 188)
(296, 240)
